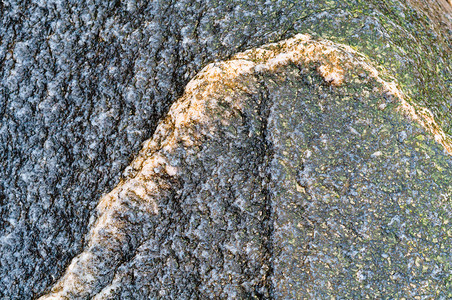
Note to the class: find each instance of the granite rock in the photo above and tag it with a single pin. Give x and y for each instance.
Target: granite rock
(290, 171)
(83, 84)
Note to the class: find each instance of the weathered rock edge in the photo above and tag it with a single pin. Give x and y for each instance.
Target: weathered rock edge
(126, 214)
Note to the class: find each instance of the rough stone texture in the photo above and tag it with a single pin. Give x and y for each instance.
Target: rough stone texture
(83, 84)
(290, 171)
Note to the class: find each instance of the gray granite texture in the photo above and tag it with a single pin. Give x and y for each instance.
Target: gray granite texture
(300, 180)
(290, 171)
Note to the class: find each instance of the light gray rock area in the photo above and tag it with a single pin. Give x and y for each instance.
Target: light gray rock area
(316, 167)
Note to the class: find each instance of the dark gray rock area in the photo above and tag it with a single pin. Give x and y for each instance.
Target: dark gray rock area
(83, 84)
(290, 171)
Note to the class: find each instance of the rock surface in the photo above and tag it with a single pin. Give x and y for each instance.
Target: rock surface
(290, 171)
(83, 84)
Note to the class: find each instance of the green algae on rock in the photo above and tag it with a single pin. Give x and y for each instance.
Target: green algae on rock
(290, 171)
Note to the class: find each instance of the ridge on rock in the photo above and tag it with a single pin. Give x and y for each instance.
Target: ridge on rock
(84, 83)
(290, 171)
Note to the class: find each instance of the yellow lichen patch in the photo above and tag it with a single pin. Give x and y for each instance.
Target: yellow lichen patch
(333, 75)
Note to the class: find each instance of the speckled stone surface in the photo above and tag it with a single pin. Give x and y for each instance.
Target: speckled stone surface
(82, 85)
(290, 171)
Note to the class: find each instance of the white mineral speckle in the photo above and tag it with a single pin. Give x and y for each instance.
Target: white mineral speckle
(376, 154)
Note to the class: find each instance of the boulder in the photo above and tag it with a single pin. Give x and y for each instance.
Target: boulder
(290, 171)
(83, 84)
